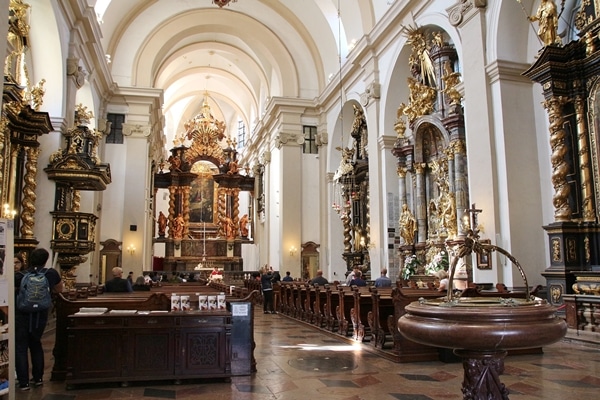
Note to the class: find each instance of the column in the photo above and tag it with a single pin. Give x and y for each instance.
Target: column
(584, 162)
(421, 202)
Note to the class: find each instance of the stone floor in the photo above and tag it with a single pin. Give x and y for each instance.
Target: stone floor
(296, 361)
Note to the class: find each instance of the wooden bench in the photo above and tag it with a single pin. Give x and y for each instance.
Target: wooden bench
(383, 307)
(344, 308)
(319, 306)
(406, 350)
(330, 307)
(363, 305)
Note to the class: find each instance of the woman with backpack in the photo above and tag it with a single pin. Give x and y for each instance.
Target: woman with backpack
(33, 288)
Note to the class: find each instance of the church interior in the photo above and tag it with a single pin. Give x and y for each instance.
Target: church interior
(177, 137)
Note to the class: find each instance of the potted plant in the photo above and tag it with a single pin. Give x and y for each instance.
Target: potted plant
(440, 261)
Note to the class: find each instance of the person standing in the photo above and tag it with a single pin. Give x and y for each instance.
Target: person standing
(267, 289)
(29, 327)
(383, 280)
(19, 263)
(117, 283)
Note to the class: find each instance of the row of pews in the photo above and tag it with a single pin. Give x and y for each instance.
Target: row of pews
(365, 314)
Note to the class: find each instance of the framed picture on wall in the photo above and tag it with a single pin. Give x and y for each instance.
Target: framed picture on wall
(484, 260)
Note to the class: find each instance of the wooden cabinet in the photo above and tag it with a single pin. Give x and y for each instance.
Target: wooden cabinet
(156, 346)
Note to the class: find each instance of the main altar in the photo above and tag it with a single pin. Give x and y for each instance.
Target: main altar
(203, 225)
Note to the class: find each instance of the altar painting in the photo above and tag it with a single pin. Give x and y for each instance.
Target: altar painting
(203, 194)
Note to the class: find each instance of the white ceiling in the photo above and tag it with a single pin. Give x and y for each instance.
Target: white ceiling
(241, 55)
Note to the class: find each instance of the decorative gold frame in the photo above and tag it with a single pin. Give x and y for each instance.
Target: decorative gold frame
(484, 259)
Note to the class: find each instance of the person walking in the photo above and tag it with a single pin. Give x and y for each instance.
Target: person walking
(29, 326)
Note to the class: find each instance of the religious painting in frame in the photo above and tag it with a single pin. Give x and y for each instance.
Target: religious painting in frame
(484, 260)
(203, 194)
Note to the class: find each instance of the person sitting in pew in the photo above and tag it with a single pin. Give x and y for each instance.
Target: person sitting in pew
(383, 280)
(288, 277)
(140, 285)
(319, 279)
(117, 283)
(358, 280)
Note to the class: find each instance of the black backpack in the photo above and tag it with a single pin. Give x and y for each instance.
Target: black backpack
(34, 292)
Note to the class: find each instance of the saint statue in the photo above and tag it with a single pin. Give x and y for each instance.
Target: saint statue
(408, 225)
(229, 228)
(162, 224)
(547, 18)
(177, 227)
(244, 226)
(233, 168)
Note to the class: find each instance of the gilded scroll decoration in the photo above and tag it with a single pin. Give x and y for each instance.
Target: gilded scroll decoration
(29, 196)
(560, 168)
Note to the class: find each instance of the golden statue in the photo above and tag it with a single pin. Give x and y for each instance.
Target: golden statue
(408, 225)
(547, 18)
(37, 95)
(451, 80)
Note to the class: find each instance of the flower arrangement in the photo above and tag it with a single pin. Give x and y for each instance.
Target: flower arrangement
(439, 261)
(411, 264)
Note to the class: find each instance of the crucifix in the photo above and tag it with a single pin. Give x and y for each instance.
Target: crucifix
(473, 212)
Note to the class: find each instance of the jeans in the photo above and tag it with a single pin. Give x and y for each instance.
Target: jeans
(268, 300)
(28, 338)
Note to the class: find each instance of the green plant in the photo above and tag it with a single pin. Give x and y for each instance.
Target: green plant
(411, 264)
(440, 261)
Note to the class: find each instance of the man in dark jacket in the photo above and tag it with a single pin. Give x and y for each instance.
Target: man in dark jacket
(319, 279)
(117, 283)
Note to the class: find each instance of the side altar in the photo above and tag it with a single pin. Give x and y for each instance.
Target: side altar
(202, 225)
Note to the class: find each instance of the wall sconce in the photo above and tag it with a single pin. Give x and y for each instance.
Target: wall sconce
(131, 249)
(7, 212)
(293, 250)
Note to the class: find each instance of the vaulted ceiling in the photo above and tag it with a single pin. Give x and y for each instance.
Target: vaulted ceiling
(239, 55)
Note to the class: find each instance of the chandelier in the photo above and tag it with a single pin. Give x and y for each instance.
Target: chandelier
(222, 3)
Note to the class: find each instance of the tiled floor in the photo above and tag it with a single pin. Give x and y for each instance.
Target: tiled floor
(296, 361)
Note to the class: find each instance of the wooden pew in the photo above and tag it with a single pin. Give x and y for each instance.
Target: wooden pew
(383, 307)
(284, 293)
(319, 306)
(363, 304)
(332, 296)
(303, 292)
(309, 313)
(406, 350)
(343, 310)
